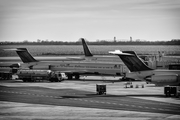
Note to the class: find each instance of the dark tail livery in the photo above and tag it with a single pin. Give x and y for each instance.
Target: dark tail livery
(131, 60)
(87, 52)
(25, 56)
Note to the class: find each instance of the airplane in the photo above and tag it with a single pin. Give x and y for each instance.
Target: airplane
(71, 68)
(140, 71)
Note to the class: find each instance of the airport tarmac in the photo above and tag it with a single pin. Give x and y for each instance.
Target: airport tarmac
(78, 100)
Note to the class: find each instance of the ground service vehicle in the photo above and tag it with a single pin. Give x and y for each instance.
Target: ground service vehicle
(5, 75)
(100, 89)
(8, 69)
(172, 90)
(57, 76)
(37, 75)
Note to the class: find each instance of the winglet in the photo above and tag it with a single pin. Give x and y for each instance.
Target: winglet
(87, 52)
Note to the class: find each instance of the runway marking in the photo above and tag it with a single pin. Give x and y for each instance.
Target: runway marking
(30, 94)
(39, 95)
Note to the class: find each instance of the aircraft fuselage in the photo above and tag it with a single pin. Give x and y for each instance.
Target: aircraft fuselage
(164, 77)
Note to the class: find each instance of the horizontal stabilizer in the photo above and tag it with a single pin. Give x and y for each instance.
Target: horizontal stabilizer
(15, 49)
(118, 52)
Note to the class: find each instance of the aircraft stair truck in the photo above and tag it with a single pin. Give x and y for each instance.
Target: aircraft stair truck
(36, 75)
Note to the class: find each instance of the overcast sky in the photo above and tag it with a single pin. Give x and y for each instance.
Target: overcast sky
(69, 20)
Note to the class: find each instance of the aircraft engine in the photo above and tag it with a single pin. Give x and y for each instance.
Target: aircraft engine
(163, 79)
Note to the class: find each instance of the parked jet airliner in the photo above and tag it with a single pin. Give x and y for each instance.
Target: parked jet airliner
(140, 71)
(71, 68)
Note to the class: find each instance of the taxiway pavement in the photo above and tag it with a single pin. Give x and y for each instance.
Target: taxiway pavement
(74, 96)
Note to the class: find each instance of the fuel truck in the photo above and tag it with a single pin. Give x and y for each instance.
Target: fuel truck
(29, 75)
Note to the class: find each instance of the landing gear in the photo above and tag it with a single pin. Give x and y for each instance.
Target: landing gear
(77, 77)
(6, 76)
(28, 80)
(53, 80)
(24, 80)
(69, 76)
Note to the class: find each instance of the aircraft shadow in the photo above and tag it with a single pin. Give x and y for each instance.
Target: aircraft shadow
(108, 95)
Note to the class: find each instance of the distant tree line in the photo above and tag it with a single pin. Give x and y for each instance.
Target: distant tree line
(98, 42)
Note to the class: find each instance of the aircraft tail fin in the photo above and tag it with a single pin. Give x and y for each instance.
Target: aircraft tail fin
(87, 52)
(131, 60)
(24, 54)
